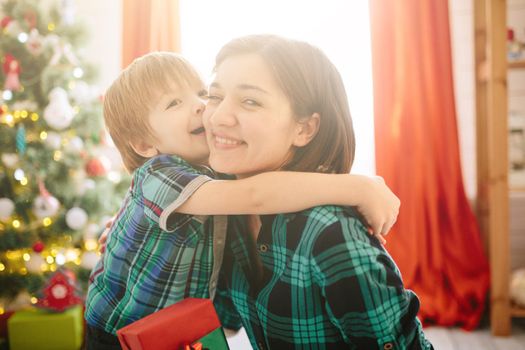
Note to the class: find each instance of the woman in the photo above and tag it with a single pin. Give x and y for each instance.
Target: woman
(314, 279)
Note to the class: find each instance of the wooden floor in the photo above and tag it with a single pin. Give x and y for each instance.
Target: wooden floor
(441, 338)
(456, 339)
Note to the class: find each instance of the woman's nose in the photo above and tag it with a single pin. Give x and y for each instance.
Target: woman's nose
(223, 115)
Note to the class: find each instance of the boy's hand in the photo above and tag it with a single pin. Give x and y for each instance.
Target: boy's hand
(379, 207)
(104, 236)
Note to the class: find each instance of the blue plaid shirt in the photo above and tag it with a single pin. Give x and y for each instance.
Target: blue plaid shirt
(155, 257)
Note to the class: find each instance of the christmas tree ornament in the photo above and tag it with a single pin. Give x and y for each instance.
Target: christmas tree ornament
(89, 260)
(76, 218)
(517, 287)
(59, 293)
(58, 113)
(38, 247)
(35, 263)
(10, 159)
(75, 144)
(21, 142)
(98, 166)
(5, 21)
(53, 140)
(45, 206)
(82, 93)
(7, 207)
(34, 42)
(12, 73)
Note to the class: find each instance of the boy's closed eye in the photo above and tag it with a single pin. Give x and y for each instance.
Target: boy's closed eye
(173, 103)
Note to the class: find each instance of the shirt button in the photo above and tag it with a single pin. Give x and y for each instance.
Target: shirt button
(260, 345)
(388, 346)
(263, 248)
(213, 284)
(219, 241)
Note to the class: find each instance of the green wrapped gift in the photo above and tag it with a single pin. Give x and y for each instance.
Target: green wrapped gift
(41, 329)
(213, 341)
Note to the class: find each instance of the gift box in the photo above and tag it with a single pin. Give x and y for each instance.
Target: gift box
(185, 324)
(43, 330)
(3, 323)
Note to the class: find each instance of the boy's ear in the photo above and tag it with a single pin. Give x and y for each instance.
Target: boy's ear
(144, 149)
(307, 129)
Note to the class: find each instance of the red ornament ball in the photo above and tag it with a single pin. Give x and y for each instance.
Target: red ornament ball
(5, 21)
(97, 167)
(38, 247)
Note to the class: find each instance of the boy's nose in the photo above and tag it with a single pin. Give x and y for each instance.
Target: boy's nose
(198, 108)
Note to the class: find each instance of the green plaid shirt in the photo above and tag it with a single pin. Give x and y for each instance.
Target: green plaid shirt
(316, 280)
(155, 257)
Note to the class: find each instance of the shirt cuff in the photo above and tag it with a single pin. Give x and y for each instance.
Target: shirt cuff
(183, 197)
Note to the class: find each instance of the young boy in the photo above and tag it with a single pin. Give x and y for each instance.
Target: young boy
(161, 248)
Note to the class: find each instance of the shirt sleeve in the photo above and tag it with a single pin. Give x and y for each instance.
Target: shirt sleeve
(166, 185)
(363, 291)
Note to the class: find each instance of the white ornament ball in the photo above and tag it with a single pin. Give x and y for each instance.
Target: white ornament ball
(75, 144)
(53, 140)
(45, 206)
(6, 208)
(517, 287)
(76, 218)
(89, 260)
(35, 263)
(58, 113)
(10, 159)
(82, 93)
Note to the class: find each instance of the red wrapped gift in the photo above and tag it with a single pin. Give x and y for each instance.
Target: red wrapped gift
(171, 328)
(3, 323)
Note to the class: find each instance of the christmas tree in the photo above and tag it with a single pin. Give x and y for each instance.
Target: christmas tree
(56, 187)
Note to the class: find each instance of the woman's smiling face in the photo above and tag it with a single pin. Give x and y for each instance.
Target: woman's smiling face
(249, 121)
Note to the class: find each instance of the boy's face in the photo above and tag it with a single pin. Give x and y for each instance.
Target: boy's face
(176, 120)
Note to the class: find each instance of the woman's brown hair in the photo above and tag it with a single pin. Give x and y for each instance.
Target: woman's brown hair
(313, 85)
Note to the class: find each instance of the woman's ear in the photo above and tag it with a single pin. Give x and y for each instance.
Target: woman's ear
(144, 149)
(307, 129)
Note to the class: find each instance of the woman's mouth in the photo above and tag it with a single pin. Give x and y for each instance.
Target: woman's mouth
(226, 142)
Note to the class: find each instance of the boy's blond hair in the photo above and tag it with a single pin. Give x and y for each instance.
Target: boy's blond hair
(132, 96)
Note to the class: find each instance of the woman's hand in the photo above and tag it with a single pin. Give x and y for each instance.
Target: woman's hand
(379, 206)
(104, 236)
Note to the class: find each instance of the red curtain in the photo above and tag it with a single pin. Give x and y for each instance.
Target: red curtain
(436, 241)
(149, 25)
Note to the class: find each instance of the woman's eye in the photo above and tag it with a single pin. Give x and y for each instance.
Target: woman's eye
(174, 103)
(214, 98)
(251, 102)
